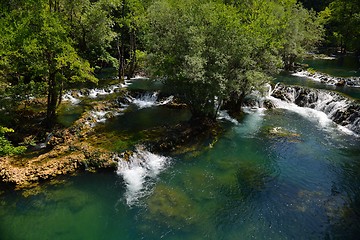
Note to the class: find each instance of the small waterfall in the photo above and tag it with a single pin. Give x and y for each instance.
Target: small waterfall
(44, 144)
(69, 97)
(148, 100)
(223, 114)
(330, 80)
(139, 171)
(144, 101)
(320, 103)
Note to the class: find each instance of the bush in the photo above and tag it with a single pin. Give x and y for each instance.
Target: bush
(6, 148)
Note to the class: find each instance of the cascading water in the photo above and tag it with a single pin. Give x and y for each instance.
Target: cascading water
(139, 172)
(329, 80)
(69, 97)
(319, 104)
(225, 115)
(148, 100)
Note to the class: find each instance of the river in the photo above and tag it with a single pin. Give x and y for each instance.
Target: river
(284, 173)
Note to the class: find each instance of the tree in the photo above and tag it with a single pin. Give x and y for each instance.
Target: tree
(36, 47)
(317, 5)
(303, 32)
(283, 28)
(6, 148)
(91, 28)
(207, 55)
(343, 26)
(129, 18)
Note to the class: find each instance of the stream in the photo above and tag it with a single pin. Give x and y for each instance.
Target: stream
(284, 173)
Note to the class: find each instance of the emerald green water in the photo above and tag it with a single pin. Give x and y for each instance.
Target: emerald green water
(300, 183)
(341, 66)
(249, 185)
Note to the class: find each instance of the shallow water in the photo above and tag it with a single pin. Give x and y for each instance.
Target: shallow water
(250, 185)
(286, 173)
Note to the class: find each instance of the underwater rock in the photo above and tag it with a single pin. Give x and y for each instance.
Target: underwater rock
(171, 207)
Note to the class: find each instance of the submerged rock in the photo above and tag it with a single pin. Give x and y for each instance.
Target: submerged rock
(171, 207)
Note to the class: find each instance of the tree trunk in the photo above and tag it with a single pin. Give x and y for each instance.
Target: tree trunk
(234, 104)
(51, 101)
(121, 47)
(132, 66)
(121, 70)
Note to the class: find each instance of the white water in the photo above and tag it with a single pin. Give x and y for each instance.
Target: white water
(225, 115)
(68, 97)
(252, 122)
(329, 80)
(324, 106)
(139, 173)
(306, 74)
(94, 93)
(149, 100)
(99, 116)
(316, 116)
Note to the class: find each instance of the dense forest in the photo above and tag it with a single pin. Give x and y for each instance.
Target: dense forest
(209, 53)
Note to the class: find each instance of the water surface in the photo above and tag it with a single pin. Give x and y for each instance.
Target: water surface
(277, 174)
(250, 185)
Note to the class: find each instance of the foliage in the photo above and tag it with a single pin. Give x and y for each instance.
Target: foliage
(90, 26)
(343, 26)
(6, 148)
(214, 52)
(37, 47)
(129, 24)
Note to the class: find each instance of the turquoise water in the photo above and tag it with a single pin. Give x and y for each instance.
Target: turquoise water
(278, 174)
(250, 185)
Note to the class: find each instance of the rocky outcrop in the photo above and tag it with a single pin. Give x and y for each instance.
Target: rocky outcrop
(342, 110)
(66, 151)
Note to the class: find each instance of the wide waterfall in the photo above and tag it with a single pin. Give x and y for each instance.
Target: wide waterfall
(341, 110)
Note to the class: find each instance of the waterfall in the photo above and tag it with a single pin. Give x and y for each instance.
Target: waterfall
(329, 80)
(69, 97)
(148, 100)
(320, 103)
(139, 170)
(223, 114)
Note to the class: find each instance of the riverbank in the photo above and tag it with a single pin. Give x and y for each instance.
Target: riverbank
(78, 148)
(66, 152)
